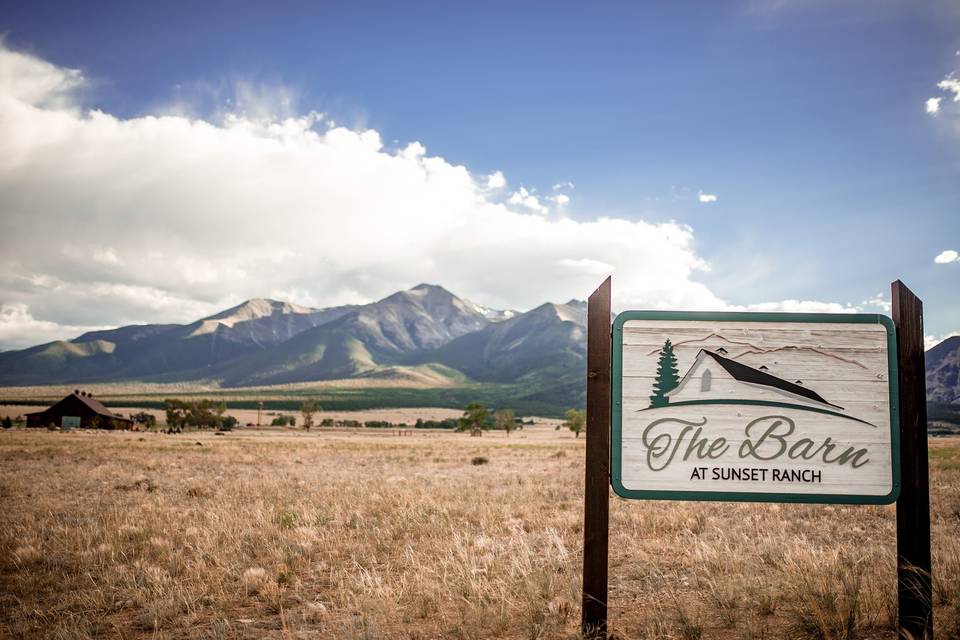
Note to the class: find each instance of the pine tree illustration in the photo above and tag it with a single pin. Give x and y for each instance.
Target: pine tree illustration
(668, 377)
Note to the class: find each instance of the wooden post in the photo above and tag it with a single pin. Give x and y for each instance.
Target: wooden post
(914, 592)
(596, 492)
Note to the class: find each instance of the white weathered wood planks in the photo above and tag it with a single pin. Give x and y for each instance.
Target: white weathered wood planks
(765, 396)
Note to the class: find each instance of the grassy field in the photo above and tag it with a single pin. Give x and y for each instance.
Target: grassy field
(335, 395)
(277, 534)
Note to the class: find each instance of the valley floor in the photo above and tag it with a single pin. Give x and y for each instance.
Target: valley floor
(283, 534)
(333, 395)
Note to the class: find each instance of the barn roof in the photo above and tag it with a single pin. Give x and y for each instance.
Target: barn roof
(743, 373)
(89, 401)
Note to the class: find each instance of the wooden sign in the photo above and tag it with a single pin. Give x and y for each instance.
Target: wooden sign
(755, 407)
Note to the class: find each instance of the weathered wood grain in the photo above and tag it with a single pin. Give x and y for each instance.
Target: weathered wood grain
(913, 508)
(597, 474)
(830, 381)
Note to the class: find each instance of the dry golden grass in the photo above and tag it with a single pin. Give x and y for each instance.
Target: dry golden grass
(404, 415)
(278, 535)
(409, 378)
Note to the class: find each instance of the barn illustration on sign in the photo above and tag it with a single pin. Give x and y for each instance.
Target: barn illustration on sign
(716, 379)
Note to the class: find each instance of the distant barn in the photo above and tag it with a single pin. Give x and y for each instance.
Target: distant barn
(79, 409)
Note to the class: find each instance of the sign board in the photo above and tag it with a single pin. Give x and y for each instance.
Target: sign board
(770, 407)
(69, 422)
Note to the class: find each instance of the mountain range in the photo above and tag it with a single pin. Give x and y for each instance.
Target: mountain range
(943, 382)
(425, 336)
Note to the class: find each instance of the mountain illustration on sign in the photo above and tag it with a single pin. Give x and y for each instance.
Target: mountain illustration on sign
(715, 379)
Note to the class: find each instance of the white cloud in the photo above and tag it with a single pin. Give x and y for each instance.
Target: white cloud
(797, 306)
(413, 151)
(30, 80)
(946, 257)
(706, 197)
(586, 265)
(496, 180)
(105, 255)
(879, 301)
(20, 329)
(560, 199)
(930, 342)
(951, 84)
(560, 186)
(528, 200)
(109, 221)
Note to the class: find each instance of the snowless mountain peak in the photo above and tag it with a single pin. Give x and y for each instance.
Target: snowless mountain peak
(252, 309)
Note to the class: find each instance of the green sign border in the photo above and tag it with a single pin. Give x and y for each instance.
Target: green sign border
(616, 442)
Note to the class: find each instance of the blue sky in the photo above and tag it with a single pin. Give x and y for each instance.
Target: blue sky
(806, 121)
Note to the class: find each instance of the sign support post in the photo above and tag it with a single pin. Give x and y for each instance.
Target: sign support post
(914, 590)
(746, 421)
(597, 475)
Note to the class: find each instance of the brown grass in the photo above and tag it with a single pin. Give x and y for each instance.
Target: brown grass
(405, 378)
(277, 535)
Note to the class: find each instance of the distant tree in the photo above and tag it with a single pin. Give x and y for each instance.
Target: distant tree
(505, 420)
(228, 423)
(7, 422)
(283, 420)
(145, 419)
(576, 421)
(474, 417)
(194, 413)
(218, 410)
(667, 376)
(308, 408)
(176, 413)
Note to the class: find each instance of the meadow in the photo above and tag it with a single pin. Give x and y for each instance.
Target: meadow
(365, 534)
(335, 395)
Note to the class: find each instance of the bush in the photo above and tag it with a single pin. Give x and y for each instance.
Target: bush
(193, 413)
(449, 423)
(143, 418)
(479, 460)
(284, 420)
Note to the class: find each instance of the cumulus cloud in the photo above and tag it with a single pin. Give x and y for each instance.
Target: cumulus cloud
(528, 200)
(109, 221)
(797, 306)
(706, 197)
(20, 329)
(950, 86)
(496, 180)
(587, 265)
(879, 301)
(946, 257)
